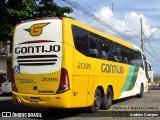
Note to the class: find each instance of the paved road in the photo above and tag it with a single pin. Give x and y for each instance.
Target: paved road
(150, 102)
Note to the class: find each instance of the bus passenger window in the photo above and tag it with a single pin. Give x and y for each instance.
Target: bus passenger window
(125, 59)
(115, 52)
(105, 49)
(93, 47)
(139, 60)
(92, 43)
(93, 52)
(125, 55)
(132, 58)
(80, 37)
(118, 51)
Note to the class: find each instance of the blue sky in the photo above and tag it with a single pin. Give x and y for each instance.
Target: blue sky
(149, 8)
(125, 17)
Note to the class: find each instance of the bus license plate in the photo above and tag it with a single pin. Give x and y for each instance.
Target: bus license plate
(34, 99)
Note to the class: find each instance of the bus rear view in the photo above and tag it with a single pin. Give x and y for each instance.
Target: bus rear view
(37, 62)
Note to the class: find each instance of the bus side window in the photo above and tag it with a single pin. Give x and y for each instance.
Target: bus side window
(105, 49)
(136, 59)
(80, 37)
(93, 47)
(139, 60)
(132, 58)
(116, 52)
(125, 55)
(110, 51)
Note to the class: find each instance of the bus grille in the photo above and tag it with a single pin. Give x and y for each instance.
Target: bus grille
(37, 60)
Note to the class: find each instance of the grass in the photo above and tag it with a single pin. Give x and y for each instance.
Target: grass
(157, 79)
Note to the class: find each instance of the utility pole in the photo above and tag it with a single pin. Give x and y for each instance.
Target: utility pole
(142, 36)
(112, 7)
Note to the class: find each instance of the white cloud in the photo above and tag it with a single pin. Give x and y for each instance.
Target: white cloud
(104, 13)
(128, 25)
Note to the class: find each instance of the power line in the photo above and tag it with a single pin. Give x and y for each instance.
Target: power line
(136, 32)
(142, 36)
(142, 40)
(152, 34)
(153, 51)
(155, 61)
(88, 13)
(152, 55)
(82, 9)
(147, 38)
(151, 46)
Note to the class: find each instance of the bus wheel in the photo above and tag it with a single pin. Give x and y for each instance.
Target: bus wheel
(140, 95)
(107, 99)
(97, 102)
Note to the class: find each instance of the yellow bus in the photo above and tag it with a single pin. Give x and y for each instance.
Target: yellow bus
(62, 63)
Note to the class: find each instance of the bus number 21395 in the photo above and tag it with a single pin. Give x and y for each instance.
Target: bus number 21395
(82, 65)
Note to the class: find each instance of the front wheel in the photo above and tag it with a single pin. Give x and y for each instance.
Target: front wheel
(97, 102)
(107, 99)
(140, 95)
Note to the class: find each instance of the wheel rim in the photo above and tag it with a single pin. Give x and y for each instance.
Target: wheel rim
(141, 90)
(109, 98)
(97, 101)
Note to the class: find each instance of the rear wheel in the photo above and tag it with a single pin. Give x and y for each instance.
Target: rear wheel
(140, 95)
(97, 102)
(107, 99)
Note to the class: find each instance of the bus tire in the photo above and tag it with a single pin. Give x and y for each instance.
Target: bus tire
(97, 102)
(140, 95)
(107, 99)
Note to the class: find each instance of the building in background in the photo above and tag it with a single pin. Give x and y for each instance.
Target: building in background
(5, 61)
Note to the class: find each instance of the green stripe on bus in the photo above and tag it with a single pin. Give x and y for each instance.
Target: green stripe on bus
(131, 78)
(134, 78)
(136, 49)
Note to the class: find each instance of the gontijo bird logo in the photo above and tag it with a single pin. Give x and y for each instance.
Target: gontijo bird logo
(36, 29)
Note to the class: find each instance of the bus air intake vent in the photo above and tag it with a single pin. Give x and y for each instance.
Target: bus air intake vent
(37, 60)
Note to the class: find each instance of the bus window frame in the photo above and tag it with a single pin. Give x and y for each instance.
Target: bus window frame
(99, 40)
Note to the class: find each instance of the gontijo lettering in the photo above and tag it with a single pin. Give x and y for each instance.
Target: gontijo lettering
(108, 68)
(37, 49)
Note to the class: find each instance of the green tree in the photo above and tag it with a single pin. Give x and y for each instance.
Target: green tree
(3, 21)
(15, 11)
(48, 8)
